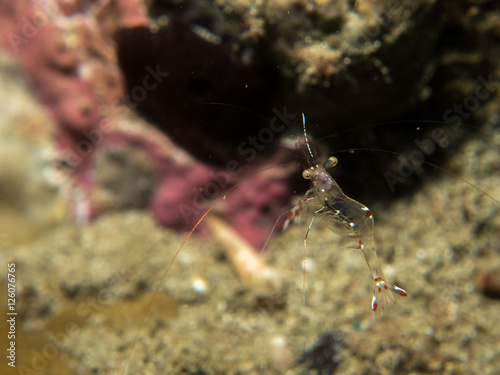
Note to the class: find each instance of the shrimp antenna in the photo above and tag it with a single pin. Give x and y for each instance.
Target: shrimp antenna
(305, 135)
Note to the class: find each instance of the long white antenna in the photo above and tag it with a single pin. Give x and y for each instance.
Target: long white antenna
(305, 135)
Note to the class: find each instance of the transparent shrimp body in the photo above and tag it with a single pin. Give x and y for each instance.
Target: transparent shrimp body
(346, 217)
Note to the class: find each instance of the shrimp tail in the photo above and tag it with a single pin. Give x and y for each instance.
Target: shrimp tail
(383, 293)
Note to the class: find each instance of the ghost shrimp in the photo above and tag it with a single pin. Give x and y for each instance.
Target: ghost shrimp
(344, 216)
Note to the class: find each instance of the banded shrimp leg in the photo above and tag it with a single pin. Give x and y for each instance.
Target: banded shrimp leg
(344, 216)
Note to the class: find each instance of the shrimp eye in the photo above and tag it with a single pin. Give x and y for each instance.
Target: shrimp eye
(331, 162)
(307, 174)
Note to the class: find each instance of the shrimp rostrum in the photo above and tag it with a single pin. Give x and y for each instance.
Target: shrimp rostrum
(344, 216)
